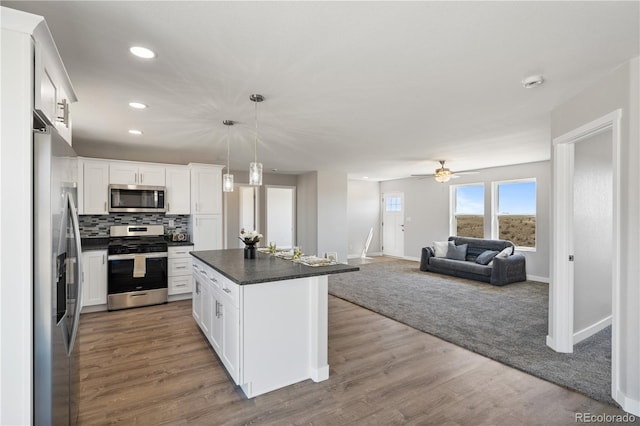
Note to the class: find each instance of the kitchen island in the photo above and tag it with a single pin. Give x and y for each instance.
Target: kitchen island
(266, 318)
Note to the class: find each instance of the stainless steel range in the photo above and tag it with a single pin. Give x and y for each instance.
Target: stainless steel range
(137, 266)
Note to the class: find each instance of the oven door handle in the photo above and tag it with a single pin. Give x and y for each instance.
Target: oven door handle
(133, 255)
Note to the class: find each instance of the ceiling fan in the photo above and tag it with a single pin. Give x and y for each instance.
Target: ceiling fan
(443, 174)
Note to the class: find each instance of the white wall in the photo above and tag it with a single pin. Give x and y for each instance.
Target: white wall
(427, 209)
(363, 213)
(307, 213)
(592, 225)
(620, 89)
(332, 214)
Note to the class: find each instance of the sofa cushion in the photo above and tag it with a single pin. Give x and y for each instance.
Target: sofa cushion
(457, 252)
(440, 264)
(485, 257)
(440, 248)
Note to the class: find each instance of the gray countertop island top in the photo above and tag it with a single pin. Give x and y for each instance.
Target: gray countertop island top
(264, 268)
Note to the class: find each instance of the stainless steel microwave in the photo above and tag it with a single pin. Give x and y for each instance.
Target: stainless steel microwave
(137, 199)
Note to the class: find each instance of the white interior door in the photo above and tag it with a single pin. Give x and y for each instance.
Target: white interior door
(393, 224)
(280, 215)
(247, 208)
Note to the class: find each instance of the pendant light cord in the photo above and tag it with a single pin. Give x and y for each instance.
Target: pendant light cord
(255, 144)
(228, 150)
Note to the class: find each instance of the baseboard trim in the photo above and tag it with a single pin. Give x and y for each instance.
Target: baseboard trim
(537, 278)
(415, 259)
(631, 406)
(551, 342)
(359, 256)
(591, 330)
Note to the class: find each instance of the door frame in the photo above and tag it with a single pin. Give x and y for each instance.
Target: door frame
(384, 207)
(561, 286)
(293, 212)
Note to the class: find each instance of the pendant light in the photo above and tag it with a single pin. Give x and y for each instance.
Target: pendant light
(227, 178)
(255, 168)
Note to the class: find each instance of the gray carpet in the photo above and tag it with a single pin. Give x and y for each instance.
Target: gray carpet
(507, 324)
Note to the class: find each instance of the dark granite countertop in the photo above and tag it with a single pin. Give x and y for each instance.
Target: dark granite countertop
(264, 268)
(93, 243)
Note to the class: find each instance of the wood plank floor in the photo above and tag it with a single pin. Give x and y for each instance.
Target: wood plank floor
(151, 366)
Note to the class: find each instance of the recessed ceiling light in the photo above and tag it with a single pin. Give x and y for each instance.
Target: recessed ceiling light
(137, 105)
(532, 81)
(135, 132)
(142, 52)
(365, 177)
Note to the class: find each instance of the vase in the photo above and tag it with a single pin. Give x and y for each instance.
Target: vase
(249, 251)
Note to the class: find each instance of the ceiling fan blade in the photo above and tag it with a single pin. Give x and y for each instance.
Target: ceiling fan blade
(421, 175)
(466, 173)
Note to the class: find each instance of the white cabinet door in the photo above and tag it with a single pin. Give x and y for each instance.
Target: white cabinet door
(230, 353)
(206, 293)
(215, 332)
(178, 190)
(151, 175)
(63, 114)
(94, 272)
(196, 298)
(95, 187)
(206, 189)
(124, 173)
(207, 232)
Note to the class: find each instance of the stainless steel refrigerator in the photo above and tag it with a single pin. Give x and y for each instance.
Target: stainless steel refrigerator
(57, 280)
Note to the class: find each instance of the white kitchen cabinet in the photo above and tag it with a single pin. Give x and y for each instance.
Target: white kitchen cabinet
(53, 93)
(94, 272)
(130, 173)
(206, 232)
(179, 270)
(93, 188)
(178, 194)
(206, 189)
(220, 317)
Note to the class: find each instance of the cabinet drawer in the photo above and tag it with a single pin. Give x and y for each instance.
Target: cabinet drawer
(229, 290)
(180, 266)
(179, 251)
(179, 285)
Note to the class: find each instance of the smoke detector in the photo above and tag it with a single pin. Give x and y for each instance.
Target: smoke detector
(532, 81)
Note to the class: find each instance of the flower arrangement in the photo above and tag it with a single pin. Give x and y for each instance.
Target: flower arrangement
(249, 237)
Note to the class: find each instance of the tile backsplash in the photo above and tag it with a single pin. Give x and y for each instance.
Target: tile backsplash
(97, 226)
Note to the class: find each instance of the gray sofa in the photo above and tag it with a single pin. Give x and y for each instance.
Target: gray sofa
(501, 270)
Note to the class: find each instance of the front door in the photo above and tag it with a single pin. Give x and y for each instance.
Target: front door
(393, 224)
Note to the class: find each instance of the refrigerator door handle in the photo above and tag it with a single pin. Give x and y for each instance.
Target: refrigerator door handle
(78, 305)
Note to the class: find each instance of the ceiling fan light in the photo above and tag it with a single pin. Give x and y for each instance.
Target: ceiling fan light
(442, 178)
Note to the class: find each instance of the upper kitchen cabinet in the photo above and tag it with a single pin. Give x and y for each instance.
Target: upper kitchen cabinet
(93, 186)
(178, 190)
(206, 188)
(127, 173)
(53, 93)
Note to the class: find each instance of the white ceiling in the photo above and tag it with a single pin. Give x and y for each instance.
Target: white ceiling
(377, 89)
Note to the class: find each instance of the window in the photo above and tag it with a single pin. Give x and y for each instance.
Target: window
(515, 212)
(468, 211)
(393, 204)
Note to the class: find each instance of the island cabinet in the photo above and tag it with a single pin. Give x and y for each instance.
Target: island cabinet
(265, 318)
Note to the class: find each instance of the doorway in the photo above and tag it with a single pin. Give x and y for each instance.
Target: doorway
(567, 241)
(280, 215)
(248, 209)
(393, 224)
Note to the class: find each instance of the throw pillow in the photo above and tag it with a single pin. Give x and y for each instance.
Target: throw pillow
(504, 253)
(455, 252)
(440, 248)
(485, 257)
